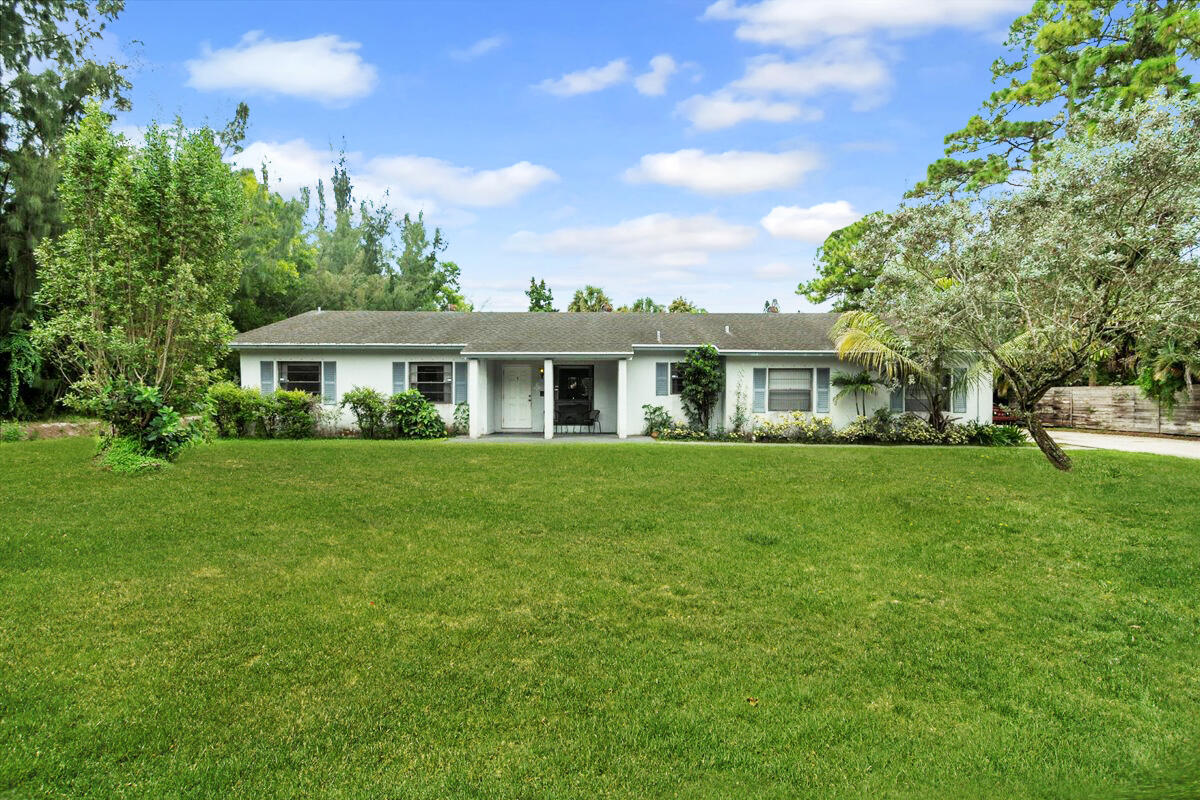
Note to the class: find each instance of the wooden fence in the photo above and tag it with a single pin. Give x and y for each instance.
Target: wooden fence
(1120, 408)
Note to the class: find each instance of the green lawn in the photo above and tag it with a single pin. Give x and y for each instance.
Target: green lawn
(412, 620)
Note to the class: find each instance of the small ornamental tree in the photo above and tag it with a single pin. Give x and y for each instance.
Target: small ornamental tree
(703, 380)
(1039, 283)
(137, 290)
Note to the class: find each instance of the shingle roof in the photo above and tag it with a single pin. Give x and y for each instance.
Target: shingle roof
(560, 332)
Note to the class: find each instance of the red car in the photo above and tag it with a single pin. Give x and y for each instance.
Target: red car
(1000, 416)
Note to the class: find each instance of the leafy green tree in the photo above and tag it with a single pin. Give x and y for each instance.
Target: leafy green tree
(422, 281)
(681, 305)
(1071, 59)
(590, 298)
(839, 275)
(1040, 283)
(357, 265)
(644, 305)
(540, 296)
(703, 382)
(276, 255)
(137, 290)
(47, 76)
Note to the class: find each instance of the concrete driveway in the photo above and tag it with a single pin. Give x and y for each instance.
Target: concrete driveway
(1159, 445)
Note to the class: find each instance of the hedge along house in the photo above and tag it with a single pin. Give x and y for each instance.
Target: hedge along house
(556, 373)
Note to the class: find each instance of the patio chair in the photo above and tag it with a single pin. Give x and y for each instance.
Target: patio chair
(593, 421)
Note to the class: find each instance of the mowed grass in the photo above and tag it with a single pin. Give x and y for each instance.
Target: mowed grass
(420, 620)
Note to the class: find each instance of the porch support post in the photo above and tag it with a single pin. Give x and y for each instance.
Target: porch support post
(475, 394)
(623, 398)
(548, 398)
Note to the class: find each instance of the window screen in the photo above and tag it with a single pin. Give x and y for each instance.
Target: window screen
(789, 390)
(676, 377)
(303, 376)
(432, 381)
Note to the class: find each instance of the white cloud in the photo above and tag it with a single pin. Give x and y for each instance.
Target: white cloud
(323, 68)
(482, 47)
(798, 23)
(654, 82)
(406, 183)
(847, 66)
(460, 185)
(724, 109)
(811, 224)
(731, 172)
(291, 165)
(776, 270)
(588, 80)
(659, 239)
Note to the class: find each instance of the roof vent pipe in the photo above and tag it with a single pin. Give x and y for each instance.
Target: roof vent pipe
(318, 309)
(659, 335)
(727, 329)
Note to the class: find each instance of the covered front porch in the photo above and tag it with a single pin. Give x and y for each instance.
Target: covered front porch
(564, 395)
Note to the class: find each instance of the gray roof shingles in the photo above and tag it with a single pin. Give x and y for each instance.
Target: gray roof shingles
(559, 332)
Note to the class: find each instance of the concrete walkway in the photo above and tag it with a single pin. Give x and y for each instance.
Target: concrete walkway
(1159, 445)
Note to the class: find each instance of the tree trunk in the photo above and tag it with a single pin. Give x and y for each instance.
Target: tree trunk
(1048, 446)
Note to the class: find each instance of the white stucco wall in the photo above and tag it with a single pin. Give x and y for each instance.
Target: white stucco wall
(374, 369)
(642, 387)
(740, 371)
(354, 368)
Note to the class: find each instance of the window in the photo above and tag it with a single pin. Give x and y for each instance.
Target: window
(668, 378)
(303, 376)
(431, 380)
(917, 401)
(789, 389)
(676, 377)
(574, 383)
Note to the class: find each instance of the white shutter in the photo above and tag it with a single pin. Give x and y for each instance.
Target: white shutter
(399, 376)
(822, 390)
(329, 383)
(959, 391)
(266, 376)
(759, 405)
(460, 381)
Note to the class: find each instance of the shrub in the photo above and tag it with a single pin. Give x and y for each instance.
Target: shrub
(138, 413)
(124, 455)
(236, 412)
(686, 433)
(703, 381)
(994, 435)
(411, 416)
(369, 409)
(657, 419)
(290, 414)
(796, 427)
(11, 432)
(462, 419)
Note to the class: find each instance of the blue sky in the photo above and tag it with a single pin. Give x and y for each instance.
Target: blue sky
(659, 148)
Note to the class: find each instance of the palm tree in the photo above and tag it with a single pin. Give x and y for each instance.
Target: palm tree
(858, 384)
(871, 342)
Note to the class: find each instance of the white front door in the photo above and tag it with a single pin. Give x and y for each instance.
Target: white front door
(516, 411)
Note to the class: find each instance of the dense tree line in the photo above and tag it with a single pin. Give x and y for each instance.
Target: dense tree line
(1070, 65)
(290, 256)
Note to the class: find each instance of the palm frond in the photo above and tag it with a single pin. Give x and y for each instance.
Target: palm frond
(867, 340)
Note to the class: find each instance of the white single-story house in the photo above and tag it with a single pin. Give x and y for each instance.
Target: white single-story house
(530, 372)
